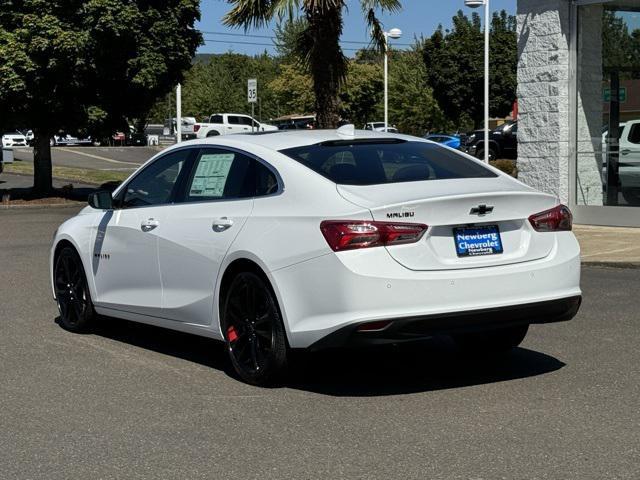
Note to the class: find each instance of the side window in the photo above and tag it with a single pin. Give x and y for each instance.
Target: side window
(245, 121)
(216, 119)
(234, 120)
(266, 181)
(221, 174)
(158, 183)
(634, 133)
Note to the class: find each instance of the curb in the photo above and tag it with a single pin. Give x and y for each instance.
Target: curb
(62, 179)
(41, 205)
(610, 264)
(68, 204)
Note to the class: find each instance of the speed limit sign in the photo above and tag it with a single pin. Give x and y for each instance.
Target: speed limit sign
(252, 90)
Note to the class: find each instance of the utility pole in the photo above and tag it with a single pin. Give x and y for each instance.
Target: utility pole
(179, 113)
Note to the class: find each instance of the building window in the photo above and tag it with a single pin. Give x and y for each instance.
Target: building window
(608, 105)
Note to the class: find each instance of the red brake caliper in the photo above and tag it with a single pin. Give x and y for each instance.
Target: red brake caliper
(232, 335)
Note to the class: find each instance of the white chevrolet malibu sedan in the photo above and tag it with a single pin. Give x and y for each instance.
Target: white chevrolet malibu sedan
(317, 239)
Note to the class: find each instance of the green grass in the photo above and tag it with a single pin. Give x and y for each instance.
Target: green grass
(83, 175)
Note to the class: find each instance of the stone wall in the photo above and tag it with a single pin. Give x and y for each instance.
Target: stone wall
(589, 107)
(543, 95)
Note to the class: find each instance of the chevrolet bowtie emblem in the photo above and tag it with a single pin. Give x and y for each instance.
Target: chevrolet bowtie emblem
(481, 210)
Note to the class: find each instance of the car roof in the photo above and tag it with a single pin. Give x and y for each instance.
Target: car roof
(282, 139)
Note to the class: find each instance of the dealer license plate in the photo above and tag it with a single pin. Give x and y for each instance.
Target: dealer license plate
(474, 241)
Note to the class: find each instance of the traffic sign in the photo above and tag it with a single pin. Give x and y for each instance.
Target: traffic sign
(622, 94)
(252, 90)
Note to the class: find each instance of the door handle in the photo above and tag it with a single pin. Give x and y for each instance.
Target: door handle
(221, 224)
(149, 224)
(625, 152)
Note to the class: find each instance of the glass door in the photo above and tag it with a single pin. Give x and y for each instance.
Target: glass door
(608, 105)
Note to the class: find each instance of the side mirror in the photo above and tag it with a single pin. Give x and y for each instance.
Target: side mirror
(101, 200)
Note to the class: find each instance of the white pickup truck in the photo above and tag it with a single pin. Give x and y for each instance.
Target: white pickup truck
(227, 123)
(628, 158)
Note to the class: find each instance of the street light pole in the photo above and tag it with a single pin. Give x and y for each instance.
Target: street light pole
(487, 21)
(179, 113)
(486, 81)
(394, 33)
(386, 81)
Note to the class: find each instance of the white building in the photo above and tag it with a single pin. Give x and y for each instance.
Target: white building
(579, 105)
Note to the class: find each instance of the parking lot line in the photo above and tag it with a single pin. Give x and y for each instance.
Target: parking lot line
(91, 155)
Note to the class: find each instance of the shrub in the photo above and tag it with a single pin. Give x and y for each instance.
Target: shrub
(507, 166)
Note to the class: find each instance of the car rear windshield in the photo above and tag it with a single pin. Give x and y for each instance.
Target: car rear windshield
(378, 162)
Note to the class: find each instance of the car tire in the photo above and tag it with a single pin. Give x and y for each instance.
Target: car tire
(253, 330)
(72, 292)
(213, 133)
(492, 341)
(492, 154)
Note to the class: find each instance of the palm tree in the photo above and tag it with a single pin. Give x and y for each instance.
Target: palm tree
(317, 45)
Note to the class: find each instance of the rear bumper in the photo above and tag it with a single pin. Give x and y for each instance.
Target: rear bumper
(323, 295)
(415, 328)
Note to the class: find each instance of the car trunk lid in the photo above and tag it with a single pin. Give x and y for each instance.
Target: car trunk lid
(447, 205)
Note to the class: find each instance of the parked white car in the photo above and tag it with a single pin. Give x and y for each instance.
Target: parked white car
(69, 140)
(227, 123)
(14, 139)
(316, 239)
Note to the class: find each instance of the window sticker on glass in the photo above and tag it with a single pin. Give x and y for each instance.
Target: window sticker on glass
(211, 175)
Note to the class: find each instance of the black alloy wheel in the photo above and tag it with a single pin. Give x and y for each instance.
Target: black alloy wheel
(253, 330)
(72, 292)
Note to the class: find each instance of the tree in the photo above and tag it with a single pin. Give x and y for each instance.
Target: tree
(287, 33)
(362, 94)
(455, 65)
(66, 65)
(412, 107)
(219, 84)
(620, 47)
(293, 90)
(318, 44)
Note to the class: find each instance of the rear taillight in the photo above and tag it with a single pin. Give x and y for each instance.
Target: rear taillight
(556, 219)
(353, 234)
(196, 127)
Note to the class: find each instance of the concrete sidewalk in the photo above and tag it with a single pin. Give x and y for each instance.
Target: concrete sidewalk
(612, 246)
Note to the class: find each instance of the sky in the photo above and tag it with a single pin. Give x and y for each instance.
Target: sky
(418, 18)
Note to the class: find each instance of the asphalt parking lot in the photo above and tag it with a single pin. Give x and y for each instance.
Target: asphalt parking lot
(133, 401)
(97, 158)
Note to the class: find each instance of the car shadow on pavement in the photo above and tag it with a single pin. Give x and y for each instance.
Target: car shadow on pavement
(192, 348)
(434, 364)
